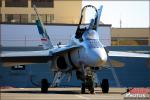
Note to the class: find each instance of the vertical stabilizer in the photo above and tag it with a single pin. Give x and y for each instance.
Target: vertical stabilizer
(98, 16)
(42, 31)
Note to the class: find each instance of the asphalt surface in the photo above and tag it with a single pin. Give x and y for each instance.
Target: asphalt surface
(60, 94)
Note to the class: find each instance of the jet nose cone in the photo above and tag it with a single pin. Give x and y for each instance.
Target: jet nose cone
(101, 54)
(98, 57)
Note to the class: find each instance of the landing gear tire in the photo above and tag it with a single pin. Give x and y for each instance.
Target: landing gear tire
(83, 88)
(91, 90)
(44, 86)
(105, 86)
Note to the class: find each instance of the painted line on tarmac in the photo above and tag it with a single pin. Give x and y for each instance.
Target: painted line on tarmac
(52, 98)
(33, 98)
(45, 99)
(82, 97)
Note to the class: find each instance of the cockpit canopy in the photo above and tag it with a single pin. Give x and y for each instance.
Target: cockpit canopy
(91, 37)
(90, 34)
(80, 31)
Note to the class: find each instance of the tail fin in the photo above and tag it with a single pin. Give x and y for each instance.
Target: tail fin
(42, 31)
(98, 16)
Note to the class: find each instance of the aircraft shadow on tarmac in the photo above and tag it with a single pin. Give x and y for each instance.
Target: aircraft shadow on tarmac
(55, 92)
(39, 92)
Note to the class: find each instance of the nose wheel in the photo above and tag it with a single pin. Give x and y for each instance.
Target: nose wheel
(88, 84)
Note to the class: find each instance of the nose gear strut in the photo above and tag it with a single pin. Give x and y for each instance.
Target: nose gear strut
(89, 80)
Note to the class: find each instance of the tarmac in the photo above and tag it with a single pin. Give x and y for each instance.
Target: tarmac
(61, 94)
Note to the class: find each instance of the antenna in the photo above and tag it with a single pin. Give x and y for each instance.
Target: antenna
(120, 22)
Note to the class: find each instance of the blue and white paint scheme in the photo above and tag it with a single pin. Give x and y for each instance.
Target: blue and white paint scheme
(84, 53)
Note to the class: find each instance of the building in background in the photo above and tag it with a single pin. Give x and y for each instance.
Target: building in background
(51, 11)
(130, 36)
(66, 12)
(24, 35)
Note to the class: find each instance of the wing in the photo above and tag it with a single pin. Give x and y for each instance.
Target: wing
(127, 54)
(24, 57)
(29, 57)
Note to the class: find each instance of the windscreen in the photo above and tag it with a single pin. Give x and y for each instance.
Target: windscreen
(91, 37)
(94, 43)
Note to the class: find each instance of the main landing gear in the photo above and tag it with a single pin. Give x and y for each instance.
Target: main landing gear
(105, 86)
(44, 86)
(89, 84)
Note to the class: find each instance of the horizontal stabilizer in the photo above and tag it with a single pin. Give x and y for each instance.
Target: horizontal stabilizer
(127, 54)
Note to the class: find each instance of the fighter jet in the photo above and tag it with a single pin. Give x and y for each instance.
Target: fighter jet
(84, 54)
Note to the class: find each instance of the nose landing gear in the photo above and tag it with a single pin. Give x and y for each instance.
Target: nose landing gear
(90, 81)
(88, 84)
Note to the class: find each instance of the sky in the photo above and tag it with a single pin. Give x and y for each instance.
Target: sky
(129, 13)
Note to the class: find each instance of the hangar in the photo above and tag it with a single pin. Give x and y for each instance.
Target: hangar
(26, 35)
(130, 36)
